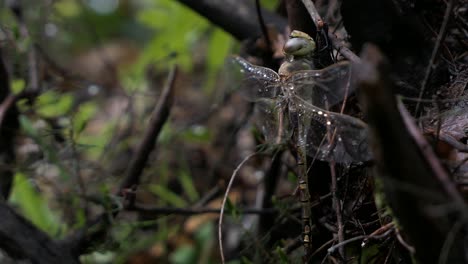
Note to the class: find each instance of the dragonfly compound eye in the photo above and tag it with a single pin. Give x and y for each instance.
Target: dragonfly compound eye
(299, 46)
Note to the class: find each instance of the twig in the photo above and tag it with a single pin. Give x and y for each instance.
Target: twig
(6, 104)
(8, 130)
(403, 242)
(343, 50)
(435, 51)
(309, 5)
(337, 206)
(445, 251)
(433, 161)
(322, 247)
(345, 242)
(158, 119)
(234, 16)
(196, 211)
(347, 53)
(228, 189)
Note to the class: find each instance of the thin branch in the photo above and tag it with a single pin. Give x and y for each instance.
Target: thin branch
(196, 211)
(345, 242)
(223, 204)
(433, 162)
(449, 240)
(309, 5)
(337, 206)
(157, 120)
(234, 16)
(435, 51)
(342, 49)
(403, 242)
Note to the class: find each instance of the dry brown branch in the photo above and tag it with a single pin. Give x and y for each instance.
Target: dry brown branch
(157, 120)
(196, 211)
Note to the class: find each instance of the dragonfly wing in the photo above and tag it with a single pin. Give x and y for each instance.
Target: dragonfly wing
(254, 82)
(332, 136)
(271, 120)
(325, 87)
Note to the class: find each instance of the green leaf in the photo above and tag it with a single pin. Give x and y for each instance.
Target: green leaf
(52, 104)
(28, 127)
(197, 134)
(219, 47)
(17, 86)
(231, 208)
(178, 29)
(67, 8)
(204, 237)
(83, 116)
(168, 196)
(282, 255)
(184, 255)
(33, 206)
(189, 188)
(245, 260)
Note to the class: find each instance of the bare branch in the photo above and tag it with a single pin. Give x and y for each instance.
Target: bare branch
(157, 120)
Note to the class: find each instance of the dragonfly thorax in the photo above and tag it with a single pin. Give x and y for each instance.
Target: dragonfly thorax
(289, 67)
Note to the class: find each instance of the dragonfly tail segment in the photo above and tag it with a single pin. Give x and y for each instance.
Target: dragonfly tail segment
(305, 202)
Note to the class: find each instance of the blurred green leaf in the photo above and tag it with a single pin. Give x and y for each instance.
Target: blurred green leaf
(204, 237)
(269, 4)
(52, 104)
(231, 208)
(17, 86)
(84, 114)
(168, 196)
(369, 254)
(197, 134)
(177, 29)
(188, 185)
(282, 255)
(184, 255)
(67, 8)
(219, 47)
(33, 206)
(245, 260)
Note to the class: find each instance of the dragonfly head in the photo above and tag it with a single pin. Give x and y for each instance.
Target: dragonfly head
(298, 50)
(299, 44)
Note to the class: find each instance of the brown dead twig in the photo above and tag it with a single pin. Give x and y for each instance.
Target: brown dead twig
(158, 118)
(196, 211)
(80, 240)
(433, 161)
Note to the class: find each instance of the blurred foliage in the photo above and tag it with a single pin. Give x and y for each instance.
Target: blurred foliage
(34, 206)
(78, 126)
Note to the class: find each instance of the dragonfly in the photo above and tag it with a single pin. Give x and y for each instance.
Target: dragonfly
(300, 94)
(292, 104)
